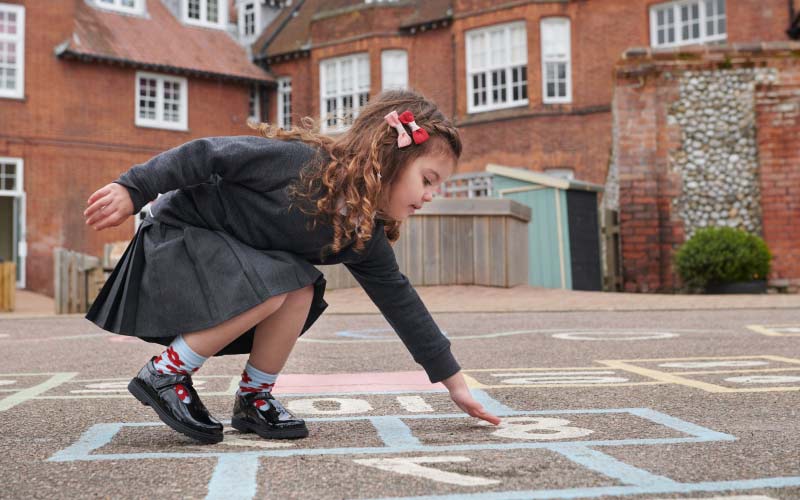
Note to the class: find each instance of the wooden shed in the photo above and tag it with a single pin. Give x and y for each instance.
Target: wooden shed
(563, 234)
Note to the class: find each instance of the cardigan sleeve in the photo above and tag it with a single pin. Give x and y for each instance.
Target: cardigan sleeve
(253, 161)
(390, 290)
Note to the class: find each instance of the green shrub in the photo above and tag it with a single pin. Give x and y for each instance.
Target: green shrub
(717, 255)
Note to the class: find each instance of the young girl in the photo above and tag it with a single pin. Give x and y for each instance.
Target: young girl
(224, 262)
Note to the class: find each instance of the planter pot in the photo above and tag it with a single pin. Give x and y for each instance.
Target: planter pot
(755, 286)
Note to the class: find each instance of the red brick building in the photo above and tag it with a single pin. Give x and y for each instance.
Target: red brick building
(529, 83)
(89, 88)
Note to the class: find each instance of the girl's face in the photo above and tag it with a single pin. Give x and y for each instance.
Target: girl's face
(416, 184)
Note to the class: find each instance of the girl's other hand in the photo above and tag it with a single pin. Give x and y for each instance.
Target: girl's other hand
(108, 206)
(459, 393)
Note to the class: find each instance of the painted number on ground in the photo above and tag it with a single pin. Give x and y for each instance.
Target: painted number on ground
(411, 466)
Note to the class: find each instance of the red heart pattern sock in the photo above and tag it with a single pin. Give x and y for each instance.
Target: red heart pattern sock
(179, 358)
(254, 380)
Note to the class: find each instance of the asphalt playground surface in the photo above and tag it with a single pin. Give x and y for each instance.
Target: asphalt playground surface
(638, 404)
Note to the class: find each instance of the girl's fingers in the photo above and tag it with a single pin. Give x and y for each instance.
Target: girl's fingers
(474, 409)
(97, 194)
(98, 204)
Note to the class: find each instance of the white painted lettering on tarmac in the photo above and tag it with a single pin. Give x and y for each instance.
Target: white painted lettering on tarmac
(623, 335)
(411, 466)
(344, 406)
(414, 404)
(577, 377)
(7, 382)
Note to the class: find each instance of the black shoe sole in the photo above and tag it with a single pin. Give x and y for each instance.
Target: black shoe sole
(245, 426)
(144, 397)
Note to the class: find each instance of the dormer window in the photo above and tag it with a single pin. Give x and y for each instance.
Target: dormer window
(206, 13)
(127, 6)
(249, 19)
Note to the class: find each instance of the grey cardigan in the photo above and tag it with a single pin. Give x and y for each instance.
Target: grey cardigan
(238, 185)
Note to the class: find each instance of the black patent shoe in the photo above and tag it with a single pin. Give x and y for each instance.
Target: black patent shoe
(176, 402)
(261, 413)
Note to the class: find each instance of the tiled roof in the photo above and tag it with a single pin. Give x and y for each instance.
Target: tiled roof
(158, 42)
(428, 11)
(295, 35)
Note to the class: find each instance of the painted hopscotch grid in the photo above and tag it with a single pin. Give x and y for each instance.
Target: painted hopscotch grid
(235, 474)
(663, 371)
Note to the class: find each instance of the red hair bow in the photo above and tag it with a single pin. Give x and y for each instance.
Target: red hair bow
(418, 133)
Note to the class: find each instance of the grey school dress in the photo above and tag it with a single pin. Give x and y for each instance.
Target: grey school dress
(223, 239)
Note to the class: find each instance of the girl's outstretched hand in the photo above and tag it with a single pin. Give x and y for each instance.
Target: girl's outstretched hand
(459, 393)
(108, 206)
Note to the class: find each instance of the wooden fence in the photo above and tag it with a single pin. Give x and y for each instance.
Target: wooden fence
(458, 241)
(8, 286)
(77, 281)
(612, 274)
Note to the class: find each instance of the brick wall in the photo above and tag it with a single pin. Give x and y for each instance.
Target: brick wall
(645, 138)
(75, 132)
(778, 115)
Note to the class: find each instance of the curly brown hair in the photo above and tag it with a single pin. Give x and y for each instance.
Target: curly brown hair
(362, 163)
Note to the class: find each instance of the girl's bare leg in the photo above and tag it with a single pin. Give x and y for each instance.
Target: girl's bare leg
(209, 341)
(277, 334)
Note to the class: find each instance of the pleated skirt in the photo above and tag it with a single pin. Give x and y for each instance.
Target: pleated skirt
(173, 280)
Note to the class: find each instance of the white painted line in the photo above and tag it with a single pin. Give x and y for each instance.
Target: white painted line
(764, 379)
(622, 335)
(31, 392)
(713, 364)
(564, 378)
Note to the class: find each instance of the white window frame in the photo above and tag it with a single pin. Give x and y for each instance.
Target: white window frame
(256, 19)
(117, 6)
(222, 14)
(471, 38)
(159, 121)
(254, 102)
(394, 61)
(358, 91)
(18, 92)
(20, 200)
(675, 7)
(284, 102)
(560, 57)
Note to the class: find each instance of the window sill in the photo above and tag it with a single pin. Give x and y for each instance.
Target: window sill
(543, 110)
(162, 127)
